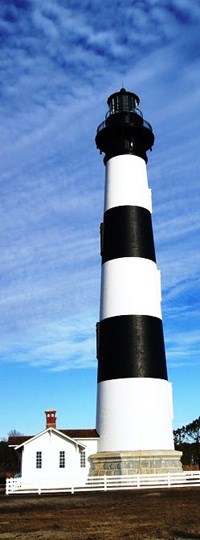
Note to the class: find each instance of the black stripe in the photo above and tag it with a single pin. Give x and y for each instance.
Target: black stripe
(128, 233)
(131, 346)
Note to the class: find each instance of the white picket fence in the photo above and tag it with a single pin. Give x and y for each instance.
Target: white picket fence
(106, 483)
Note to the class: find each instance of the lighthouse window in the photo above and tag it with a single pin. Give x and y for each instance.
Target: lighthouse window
(127, 144)
(62, 459)
(113, 105)
(38, 460)
(82, 459)
(125, 103)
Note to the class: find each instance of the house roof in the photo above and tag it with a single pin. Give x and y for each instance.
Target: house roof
(18, 439)
(72, 433)
(80, 433)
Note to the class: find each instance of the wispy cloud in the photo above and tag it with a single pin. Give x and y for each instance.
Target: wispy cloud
(59, 62)
(57, 346)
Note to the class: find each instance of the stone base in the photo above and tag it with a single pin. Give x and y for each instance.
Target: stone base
(143, 462)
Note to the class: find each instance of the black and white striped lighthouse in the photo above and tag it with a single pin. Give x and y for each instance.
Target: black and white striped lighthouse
(134, 397)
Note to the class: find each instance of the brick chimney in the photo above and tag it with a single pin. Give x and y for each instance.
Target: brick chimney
(50, 418)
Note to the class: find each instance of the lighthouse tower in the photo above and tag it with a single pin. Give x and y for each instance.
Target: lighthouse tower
(134, 397)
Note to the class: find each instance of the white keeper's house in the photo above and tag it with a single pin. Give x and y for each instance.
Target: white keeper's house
(55, 457)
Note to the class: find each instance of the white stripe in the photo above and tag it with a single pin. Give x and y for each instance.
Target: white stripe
(127, 183)
(134, 414)
(130, 286)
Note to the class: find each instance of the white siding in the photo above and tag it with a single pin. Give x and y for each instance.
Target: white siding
(51, 475)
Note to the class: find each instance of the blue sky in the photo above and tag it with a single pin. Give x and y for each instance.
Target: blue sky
(60, 61)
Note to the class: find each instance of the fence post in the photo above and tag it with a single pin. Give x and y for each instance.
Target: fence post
(138, 481)
(169, 480)
(105, 482)
(7, 486)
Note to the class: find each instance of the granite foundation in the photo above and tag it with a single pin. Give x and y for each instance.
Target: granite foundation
(143, 462)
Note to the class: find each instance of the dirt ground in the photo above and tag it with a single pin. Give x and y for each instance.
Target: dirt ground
(153, 515)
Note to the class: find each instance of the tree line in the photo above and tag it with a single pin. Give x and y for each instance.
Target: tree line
(187, 439)
(9, 459)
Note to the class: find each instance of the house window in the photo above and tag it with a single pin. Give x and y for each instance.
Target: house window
(62, 459)
(82, 459)
(38, 460)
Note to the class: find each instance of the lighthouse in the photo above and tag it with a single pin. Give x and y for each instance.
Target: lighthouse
(134, 396)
